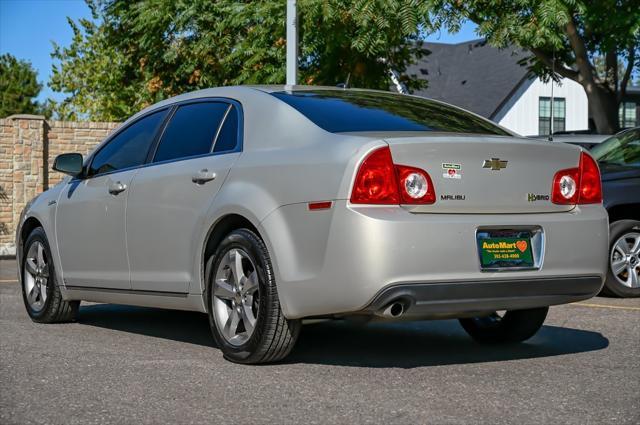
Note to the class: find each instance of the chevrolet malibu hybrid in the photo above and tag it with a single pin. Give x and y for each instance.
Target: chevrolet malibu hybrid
(263, 206)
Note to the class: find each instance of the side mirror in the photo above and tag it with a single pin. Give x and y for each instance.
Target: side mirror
(68, 163)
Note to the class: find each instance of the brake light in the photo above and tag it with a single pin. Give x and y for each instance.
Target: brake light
(376, 180)
(590, 182)
(380, 181)
(579, 185)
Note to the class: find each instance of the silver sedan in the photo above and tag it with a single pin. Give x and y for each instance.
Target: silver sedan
(264, 206)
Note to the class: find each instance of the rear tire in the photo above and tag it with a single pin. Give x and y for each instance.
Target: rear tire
(242, 302)
(617, 284)
(514, 326)
(40, 291)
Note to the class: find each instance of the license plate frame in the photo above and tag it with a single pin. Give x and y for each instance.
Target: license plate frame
(508, 256)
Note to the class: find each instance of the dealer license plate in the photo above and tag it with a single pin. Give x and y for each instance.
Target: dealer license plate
(505, 252)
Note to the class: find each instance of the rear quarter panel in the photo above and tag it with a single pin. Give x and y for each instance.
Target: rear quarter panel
(286, 160)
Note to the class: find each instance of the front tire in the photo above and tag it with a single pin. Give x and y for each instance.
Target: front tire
(242, 302)
(40, 292)
(514, 326)
(623, 274)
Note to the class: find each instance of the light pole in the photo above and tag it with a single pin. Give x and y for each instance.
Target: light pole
(292, 43)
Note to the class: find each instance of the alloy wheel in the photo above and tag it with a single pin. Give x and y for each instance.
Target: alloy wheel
(36, 276)
(625, 260)
(236, 297)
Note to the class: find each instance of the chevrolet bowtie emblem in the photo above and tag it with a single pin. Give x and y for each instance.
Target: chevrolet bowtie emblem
(495, 164)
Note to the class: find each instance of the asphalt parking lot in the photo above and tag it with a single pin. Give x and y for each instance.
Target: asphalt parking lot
(122, 364)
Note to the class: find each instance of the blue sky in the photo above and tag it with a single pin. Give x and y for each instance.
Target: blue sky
(27, 28)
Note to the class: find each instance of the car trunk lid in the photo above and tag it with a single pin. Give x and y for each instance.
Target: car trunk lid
(482, 174)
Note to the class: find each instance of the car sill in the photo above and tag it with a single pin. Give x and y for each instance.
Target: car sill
(128, 291)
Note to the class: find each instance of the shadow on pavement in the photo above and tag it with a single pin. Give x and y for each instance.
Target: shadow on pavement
(403, 345)
(182, 326)
(428, 343)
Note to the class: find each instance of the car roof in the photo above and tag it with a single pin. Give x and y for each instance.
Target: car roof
(241, 91)
(247, 92)
(273, 88)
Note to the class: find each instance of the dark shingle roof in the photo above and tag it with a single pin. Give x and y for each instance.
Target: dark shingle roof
(472, 75)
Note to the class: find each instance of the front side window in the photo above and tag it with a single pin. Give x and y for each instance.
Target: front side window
(544, 115)
(191, 131)
(130, 147)
(341, 111)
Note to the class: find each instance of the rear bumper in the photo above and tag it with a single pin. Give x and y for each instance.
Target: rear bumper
(337, 261)
(472, 298)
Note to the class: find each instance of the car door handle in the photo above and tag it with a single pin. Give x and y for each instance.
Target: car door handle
(117, 187)
(203, 176)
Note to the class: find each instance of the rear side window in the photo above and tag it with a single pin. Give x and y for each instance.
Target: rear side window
(342, 111)
(130, 147)
(228, 137)
(191, 131)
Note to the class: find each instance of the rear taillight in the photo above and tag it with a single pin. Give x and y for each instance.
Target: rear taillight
(415, 185)
(565, 186)
(376, 180)
(590, 182)
(380, 181)
(579, 185)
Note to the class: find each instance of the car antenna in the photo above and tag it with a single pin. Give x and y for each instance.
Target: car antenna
(553, 74)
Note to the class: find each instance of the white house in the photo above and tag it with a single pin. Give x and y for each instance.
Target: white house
(491, 83)
(528, 110)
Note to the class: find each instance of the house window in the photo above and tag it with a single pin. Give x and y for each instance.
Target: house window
(544, 115)
(627, 115)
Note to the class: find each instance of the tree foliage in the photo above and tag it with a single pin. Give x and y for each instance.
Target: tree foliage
(18, 87)
(566, 35)
(132, 54)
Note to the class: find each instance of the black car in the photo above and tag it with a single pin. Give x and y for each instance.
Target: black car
(619, 160)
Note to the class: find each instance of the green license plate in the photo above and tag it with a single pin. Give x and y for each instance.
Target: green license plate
(505, 252)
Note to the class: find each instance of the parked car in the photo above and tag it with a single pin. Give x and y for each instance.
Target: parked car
(263, 206)
(619, 160)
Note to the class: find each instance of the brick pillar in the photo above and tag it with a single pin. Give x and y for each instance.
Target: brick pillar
(28, 146)
(22, 148)
(6, 186)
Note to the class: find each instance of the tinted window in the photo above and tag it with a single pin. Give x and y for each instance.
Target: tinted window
(228, 137)
(340, 111)
(191, 131)
(621, 149)
(130, 147)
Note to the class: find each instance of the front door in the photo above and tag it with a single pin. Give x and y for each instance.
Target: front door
(170, 197)
(90, 230)
(90, 215)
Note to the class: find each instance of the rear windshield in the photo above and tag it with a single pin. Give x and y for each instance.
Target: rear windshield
(341, 111)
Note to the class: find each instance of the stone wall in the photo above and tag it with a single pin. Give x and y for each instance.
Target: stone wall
(28, 146)
(69, 136)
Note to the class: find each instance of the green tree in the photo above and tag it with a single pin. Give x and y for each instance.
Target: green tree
(566, 35)
(18, 87)
(132, 54)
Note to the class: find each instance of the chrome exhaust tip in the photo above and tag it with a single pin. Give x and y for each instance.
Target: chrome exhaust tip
(393, 310)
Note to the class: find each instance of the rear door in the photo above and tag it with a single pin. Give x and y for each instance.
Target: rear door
(90, 217)
(170, 196)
